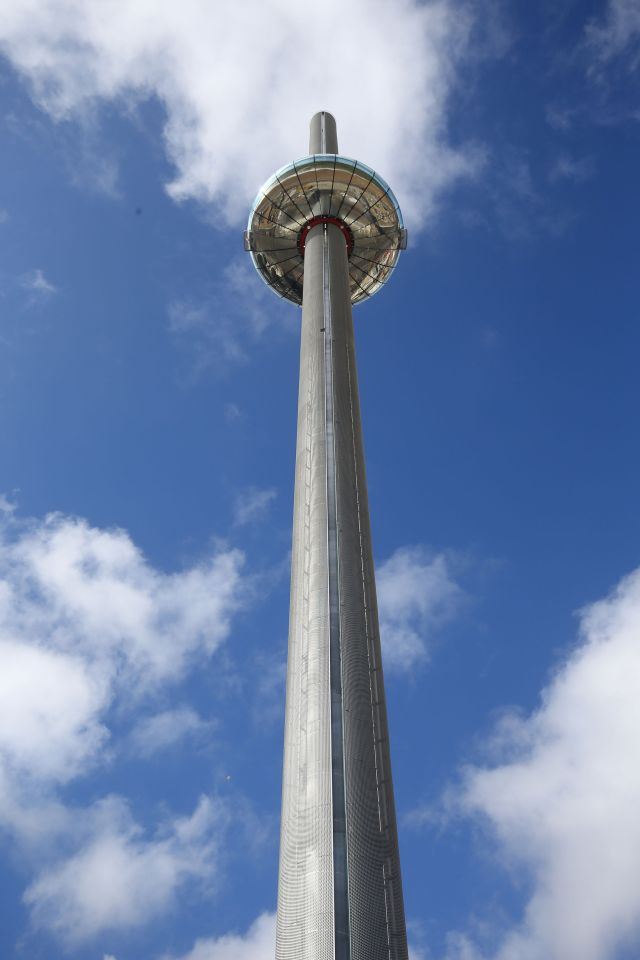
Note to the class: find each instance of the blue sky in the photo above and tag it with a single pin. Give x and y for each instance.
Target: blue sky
(148, 388)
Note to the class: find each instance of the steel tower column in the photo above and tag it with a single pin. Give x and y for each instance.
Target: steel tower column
(340, 894)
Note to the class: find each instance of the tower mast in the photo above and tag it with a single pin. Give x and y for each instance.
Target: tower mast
(328, 231)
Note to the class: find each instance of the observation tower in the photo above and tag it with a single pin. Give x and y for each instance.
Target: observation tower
(326, 232)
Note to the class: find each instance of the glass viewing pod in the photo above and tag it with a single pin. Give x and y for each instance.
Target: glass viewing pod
(325, 188)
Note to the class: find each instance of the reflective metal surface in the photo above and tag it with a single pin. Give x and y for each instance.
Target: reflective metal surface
(340, 888)
(335, 189)
(332, 226)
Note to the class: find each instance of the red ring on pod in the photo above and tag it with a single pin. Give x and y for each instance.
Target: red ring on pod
(315, 221)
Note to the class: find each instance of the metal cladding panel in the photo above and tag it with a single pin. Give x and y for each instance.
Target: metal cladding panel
(376, 914)
(334, 903)
(305, 891)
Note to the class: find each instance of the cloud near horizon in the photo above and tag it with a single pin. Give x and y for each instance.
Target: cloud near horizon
(91, 631)
(239, 83)
(561, 798)
(258, 943)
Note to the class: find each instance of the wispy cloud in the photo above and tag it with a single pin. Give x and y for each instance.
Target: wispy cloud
(576, 169)
(253, 504)
(7, 507)
(209, 331)
(163, 730)
(417, 593)
(516, 202)
(74, 59)
(616, 33)
(608, 56)
(268, 705)
(221, 328)
(232, 413)
(561, 799)
(37, 284)
(92, 165)
(610, 52)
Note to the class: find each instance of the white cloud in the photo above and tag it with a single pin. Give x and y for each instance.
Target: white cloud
(258, 944)
(253, 504)
(90, 630)
(4, 215)
(90, 592)
(87, 624)
(36, 282)
(235, 117)
(162, 730)
(49, 712)
(120, 879)
(562, 800)
(416, 594)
